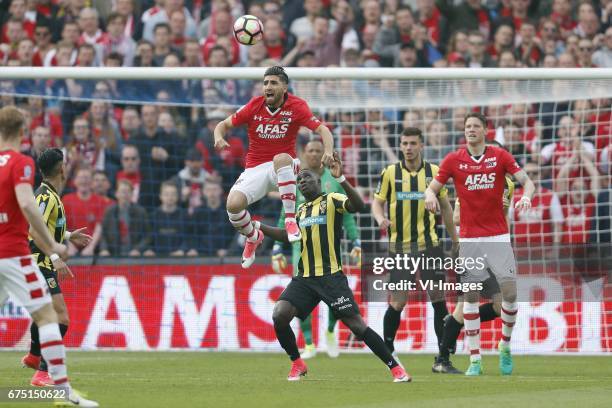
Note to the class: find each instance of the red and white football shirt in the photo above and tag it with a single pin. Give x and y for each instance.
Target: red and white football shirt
(15, 169)
(480, 188)
(273, 132)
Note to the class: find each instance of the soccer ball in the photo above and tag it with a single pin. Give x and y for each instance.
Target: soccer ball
(248, 29)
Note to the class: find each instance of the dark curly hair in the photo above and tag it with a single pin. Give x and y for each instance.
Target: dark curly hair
(279, 72)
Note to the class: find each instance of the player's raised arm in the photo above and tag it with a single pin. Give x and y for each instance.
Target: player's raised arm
(328, 145)
(277, 234)
(355, 201)
(220, 132)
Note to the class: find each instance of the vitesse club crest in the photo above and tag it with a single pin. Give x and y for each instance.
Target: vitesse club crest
(428, 180)
(323, 207)
(52, 283)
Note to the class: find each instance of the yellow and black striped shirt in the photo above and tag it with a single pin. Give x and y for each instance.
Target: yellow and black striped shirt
(412, 226)
(320, 223)
(52, 210)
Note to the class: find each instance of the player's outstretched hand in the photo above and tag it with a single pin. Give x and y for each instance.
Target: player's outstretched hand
(79, 238)
(329, 158)
(523, 204)
(221, 144)
(335, 167)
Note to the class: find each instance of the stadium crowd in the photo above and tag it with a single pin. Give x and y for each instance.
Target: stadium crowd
(145, 179)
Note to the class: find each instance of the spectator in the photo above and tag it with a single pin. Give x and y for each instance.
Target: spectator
(303, 27)
(569, 143)
(12, 33)
(125, 228)
(117, 41)
(158, 154)
(528, 52)
(438, 143)
(585, 53)
(326, 46)
(222, 30)
(105, 131)
(191, 180)
(191, 53)
(603, 56)
(477, 45)
(588, 22)
(133, 23)
(163, 16)
(177, 25)
(211, 232)
(43, 45)
(68, 13)
(101, 186)
(503, 40)
(84, 208)
(371, 13)
(507, 60)
(219, 91)
(162, 46)
(459, 43)
(562, 16)
(468, 15)
(82, 150)
(130, 123)
(543, 222)
(130, 170)
(343, 12)
(429, 15)
(44, 117)
(229, 163)
(41, 141)
(577, 196)
(169, 224)
(397, 30)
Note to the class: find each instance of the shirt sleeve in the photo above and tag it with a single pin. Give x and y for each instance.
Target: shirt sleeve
(242, 115)
(340, 202)
(306, 118)
(508, 162)
(48, 209)
(443, 191)
(23, 171)
(382, 189)
(446, 169)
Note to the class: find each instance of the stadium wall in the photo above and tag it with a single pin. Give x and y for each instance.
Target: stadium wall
(225, 308)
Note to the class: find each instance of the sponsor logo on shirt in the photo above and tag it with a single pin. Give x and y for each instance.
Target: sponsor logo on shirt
(258, 118)
(286, 113)
(316, 220)
(410, 195)
(463, 166)
(3, 218)
(27, 172)
(491, 165)
(270, 131)
(480, 181)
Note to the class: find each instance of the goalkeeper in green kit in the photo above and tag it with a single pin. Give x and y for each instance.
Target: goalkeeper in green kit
(313, 152)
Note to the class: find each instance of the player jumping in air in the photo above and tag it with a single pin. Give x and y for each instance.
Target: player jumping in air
(479, 173)
(52, 167)
(19, 274)
(320, 276)
(273, 121)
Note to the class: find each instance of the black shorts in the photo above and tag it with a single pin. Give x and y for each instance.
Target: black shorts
(51, 278)
(432, 260)
(306, 293)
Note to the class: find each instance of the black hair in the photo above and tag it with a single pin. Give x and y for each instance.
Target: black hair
(413, 131)
(279, 72)
(481, 117)
(50, 161)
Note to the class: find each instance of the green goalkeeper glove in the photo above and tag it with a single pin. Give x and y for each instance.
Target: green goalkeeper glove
(279, 261)
(356, 253)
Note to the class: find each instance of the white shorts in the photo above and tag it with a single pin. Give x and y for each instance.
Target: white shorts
(21, 278)
(256, 182)
(494, 252)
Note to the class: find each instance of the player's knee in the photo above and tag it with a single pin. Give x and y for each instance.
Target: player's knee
(281, 315)
(497, 308)
(458, 313)
(44, 315)
(355, 325)
(236, 202)
(282, 160)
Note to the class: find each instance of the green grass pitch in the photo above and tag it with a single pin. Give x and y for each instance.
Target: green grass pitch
(249, 380)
